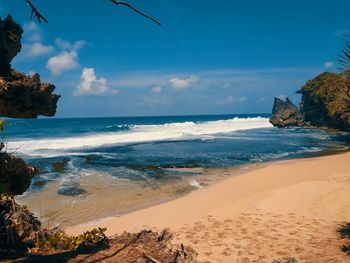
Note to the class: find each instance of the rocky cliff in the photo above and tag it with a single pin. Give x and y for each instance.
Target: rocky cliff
(10, 43)
(21, 96)
(325, 102)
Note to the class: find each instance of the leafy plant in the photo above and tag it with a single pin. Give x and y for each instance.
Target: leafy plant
(344, 59)
(58, 240)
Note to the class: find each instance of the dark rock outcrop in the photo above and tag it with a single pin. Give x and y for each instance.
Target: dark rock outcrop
(325, 102)
(26, 97)
(18, 229)
(285, 113)
(15, 174)
(21, 96)
(10, 43)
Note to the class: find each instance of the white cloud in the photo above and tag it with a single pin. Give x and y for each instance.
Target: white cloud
(181, 84)
(262, 99)
(62, 44)
(62, 62)
(66, 60)
(32, 32)
(31, 73)
(35, 50)
(66, 45)
(90, 85)
(33, 46)
(232, 100)
(282, 96)
(157, 89)
(328, 64)
(242, 99)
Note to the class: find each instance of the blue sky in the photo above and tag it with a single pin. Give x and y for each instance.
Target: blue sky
(208, 57)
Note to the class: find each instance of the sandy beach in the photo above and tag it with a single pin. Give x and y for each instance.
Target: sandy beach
(284, 209)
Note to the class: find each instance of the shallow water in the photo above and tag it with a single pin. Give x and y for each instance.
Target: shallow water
(110, 166)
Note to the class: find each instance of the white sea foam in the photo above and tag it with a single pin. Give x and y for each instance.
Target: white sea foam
(195, 184)
(136, 134)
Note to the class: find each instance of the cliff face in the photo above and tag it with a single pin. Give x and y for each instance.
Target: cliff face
(26, 97)
(21, 96)
(325, 102)
(10, 43)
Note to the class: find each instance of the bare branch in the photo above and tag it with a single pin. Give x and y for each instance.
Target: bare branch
(35, 12)
(136, 10)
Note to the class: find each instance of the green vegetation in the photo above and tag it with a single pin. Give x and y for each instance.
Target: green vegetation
(58, 240)
(326, 100)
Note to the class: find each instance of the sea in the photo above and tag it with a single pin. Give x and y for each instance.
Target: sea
(111, 166)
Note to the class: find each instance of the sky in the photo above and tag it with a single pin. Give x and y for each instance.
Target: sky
(207, 57)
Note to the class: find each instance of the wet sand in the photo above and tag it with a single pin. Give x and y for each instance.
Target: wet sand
(288, 208)
(106, 196)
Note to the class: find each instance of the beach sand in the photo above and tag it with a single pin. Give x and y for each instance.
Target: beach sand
(285, 209)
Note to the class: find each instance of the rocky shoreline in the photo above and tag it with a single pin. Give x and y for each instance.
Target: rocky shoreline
(325, 102)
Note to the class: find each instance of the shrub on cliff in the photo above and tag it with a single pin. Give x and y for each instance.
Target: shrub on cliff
(326, 100)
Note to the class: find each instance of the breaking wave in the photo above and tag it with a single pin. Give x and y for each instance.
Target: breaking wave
(131, 134)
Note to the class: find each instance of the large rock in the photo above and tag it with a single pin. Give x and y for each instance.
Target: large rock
(285, 113)
(326, 101)
(26, 97)
(15, 174)
(21, 96)
(18, 229)
(10, 43)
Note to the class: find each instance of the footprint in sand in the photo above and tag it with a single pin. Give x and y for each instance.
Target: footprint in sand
(227, 252)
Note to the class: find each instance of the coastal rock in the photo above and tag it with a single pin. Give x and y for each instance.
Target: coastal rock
(285, 113)
(18, 229)
(10, 43)
(326, 101)
(21, 96)
(15, 174)
(26, 97)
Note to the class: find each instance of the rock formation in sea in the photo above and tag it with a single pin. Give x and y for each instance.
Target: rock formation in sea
(325, 102)
(285, 113)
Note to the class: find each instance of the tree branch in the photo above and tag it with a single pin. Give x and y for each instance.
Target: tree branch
(35, 12)
(136, 10)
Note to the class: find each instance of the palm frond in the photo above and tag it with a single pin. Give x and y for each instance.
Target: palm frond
(344, 58)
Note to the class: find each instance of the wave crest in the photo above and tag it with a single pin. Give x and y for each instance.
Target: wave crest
(137, 134)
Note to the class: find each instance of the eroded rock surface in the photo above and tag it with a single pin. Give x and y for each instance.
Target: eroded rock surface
(285, 113)
(21, 96)
(10, 43)
(15, 174)
(325, 102)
